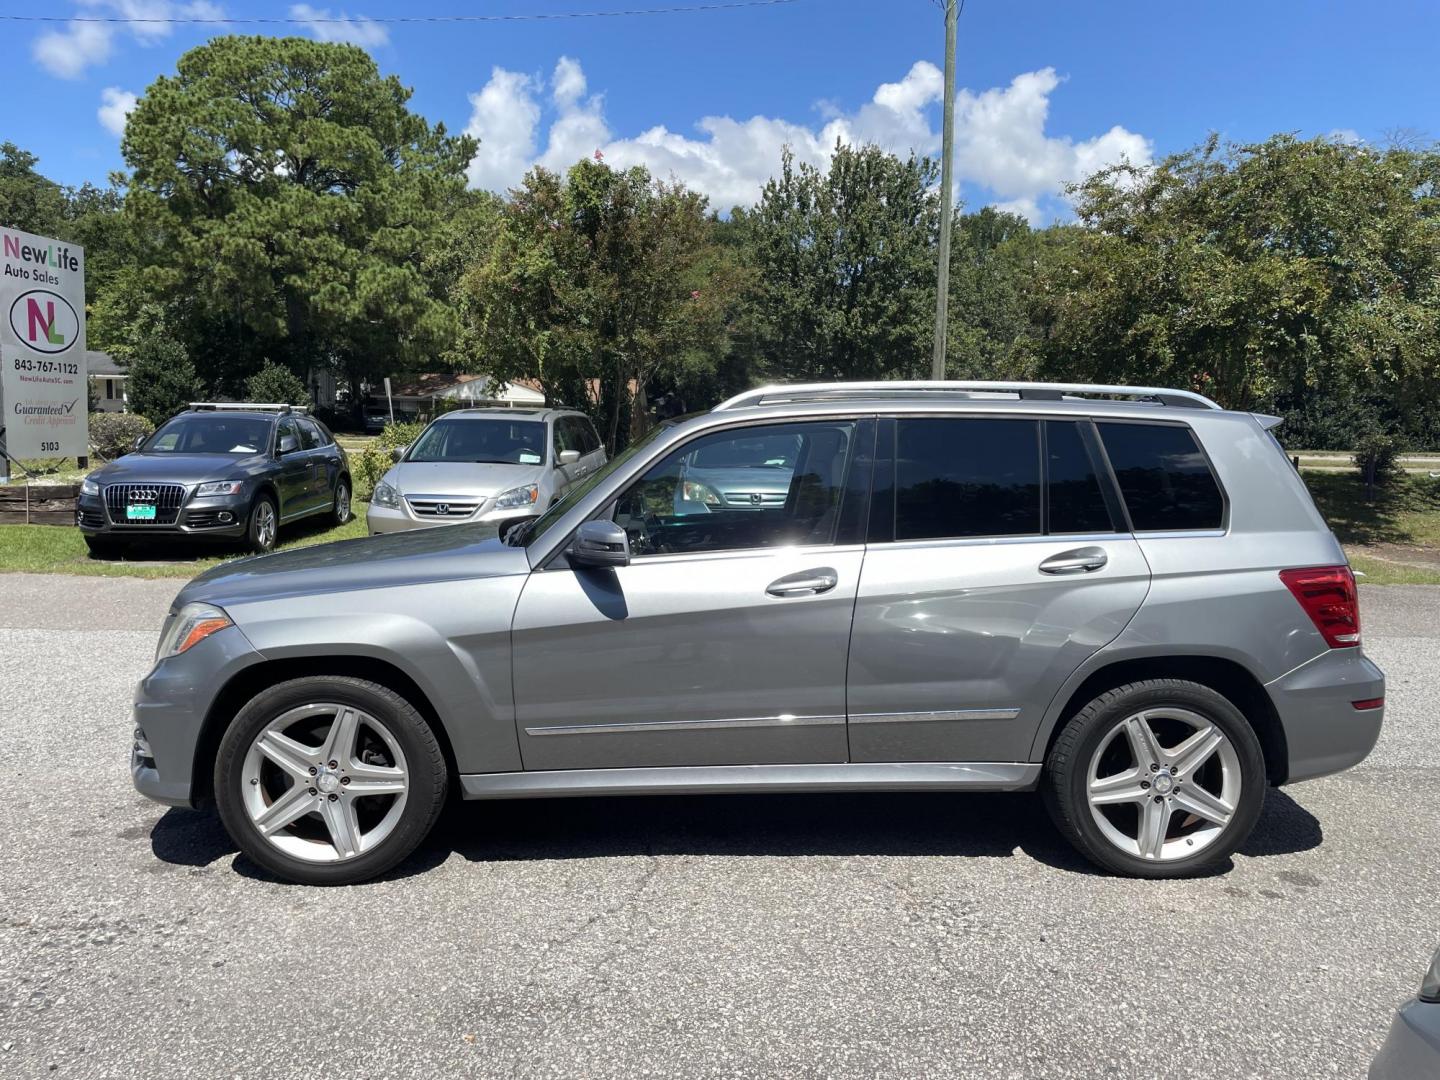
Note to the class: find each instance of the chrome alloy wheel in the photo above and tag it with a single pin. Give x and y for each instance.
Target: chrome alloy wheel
(265, 526)
(1163, 784)
(324, 782)
(342, 502)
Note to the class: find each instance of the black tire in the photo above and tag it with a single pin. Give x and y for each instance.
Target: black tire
(102, 548)
(340, 512)
(427, 780)
(1066, 783)
(258, 538)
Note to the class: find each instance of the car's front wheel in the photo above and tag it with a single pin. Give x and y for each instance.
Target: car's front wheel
(1162, 779)
(263, 527)
(329, 780)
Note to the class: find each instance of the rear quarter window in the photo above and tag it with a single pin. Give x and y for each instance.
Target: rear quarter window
(1163, 476)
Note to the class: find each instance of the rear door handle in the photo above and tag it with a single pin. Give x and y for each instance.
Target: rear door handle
(805, 582)
(1083, 560)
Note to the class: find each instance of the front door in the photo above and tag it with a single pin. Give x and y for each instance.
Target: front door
(294, 479)
(724, 641)
(998, 566)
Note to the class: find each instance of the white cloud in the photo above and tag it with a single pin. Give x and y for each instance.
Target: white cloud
(367, 33)
(115, 106)
(79, 45)
(1001, 144)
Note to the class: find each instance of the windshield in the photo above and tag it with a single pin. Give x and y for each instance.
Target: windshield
(527, 534)
(772, 451)
(211, 433)
(497, 442)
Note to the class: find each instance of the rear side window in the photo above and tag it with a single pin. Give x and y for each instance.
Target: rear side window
(1075, 499)
(966, 477)
(1163, 476)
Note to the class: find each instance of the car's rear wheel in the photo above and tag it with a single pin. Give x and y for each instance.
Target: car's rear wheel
(263, 529)
(329, 780)
(1163, 779)
(341, 511)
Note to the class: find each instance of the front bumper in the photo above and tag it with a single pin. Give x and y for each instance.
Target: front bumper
(1412, 1049)
(1324, 732)
(384, 519)
(224, 516)
(169, 712)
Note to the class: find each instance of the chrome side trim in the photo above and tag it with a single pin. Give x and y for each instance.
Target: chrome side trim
(927, 717)
(722, 779)
(784, 720)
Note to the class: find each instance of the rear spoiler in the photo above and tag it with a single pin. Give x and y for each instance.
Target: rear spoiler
(1267, 422)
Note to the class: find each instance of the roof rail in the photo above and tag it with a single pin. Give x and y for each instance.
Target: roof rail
(246, 406)
(1026, 391)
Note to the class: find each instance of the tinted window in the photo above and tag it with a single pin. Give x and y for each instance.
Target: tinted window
(325, 437)
(288, 428)
(309, 435)
(967, 477)
(1075, 498)
(592, 440)
(734, 490)
(1163, 476)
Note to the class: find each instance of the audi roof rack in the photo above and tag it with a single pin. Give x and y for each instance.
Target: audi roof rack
(1025, 391)
(246, 406)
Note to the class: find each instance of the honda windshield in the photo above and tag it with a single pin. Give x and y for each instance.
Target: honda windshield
(490, 441)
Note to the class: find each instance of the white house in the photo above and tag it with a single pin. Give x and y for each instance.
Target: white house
(107, 382)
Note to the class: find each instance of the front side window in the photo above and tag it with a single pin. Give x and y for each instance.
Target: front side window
(287, 429)
(211, 433)
(755, 487)
(966, 477)
(489, 441)
(1163, 476)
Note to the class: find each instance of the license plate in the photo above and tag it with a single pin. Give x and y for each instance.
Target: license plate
(139, 513)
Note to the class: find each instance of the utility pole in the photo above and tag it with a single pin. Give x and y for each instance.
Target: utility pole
(947, 208)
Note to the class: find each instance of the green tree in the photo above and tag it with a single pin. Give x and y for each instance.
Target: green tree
(287, 198)
(274, 384)
(844, 267)
(28, 201)
(162, 379)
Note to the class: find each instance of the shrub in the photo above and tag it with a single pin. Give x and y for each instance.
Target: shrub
(162, 379)
(113, 434)
(1377, 454)
(276, 385)
(375, 460)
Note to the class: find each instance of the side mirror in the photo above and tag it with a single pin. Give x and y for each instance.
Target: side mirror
(600, 543)
(288, 444)
(569, 457)
(140, 441)
(397, 453)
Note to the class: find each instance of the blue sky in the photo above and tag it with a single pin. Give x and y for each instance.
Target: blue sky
(1049, 90)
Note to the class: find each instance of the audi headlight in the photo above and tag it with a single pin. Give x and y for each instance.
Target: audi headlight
(694, 491)
(89, 487)
(220, 487)
(188, 627)
(521, 496)
(385, 495)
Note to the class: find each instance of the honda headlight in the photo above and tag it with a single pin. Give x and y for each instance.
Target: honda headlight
(188, 627)
(694, 491)
(220, 487)
(385, 495)
(89, 487)
(521, 496)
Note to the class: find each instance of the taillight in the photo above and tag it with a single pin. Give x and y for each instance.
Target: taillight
(1327, 593)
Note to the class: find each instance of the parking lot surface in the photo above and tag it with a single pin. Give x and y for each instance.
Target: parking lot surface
(846, 936)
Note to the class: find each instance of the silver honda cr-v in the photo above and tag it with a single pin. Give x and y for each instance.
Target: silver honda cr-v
(1123, 597)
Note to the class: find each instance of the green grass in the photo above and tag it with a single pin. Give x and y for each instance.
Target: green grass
(1376, 572)
(1405, 511)
(59, 549)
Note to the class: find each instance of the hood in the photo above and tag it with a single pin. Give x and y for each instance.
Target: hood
(452, 553)
(460, 477)
(179, 468)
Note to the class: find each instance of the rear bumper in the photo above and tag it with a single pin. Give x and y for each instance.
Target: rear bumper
(1324, 731)
(1413, 1046)
(168, 716)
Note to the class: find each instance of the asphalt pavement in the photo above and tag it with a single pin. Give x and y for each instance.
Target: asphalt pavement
(841, 936)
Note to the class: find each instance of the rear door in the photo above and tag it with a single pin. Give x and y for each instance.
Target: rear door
(998, 563)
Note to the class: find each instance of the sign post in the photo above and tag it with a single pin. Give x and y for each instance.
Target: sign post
(44, 387)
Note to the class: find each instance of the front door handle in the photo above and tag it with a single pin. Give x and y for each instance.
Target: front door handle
(804, 582)
(1083, 560)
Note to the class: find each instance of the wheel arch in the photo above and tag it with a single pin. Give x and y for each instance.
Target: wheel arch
(1225, 676)
(245, 684)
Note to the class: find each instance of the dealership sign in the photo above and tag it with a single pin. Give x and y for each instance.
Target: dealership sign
(43, 388)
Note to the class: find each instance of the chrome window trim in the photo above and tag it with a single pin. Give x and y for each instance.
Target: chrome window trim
(934, 715)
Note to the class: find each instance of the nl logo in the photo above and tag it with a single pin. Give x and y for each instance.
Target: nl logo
(45, 321)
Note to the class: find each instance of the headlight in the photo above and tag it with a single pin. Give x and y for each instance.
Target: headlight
(191, 625)
(694, 491)
(521, 496)
(385, 495)
(220, 487)
(89, 487)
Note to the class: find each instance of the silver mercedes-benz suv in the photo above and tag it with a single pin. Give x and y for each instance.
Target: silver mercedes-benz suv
(1122, 597)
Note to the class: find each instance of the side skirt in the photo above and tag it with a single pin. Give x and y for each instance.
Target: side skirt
(721, 779)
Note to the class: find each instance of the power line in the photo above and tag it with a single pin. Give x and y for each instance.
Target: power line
(333, 20)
